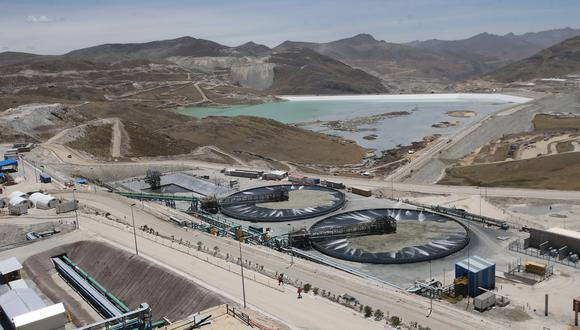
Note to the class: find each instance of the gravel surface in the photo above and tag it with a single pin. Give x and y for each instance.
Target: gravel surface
(490, 129)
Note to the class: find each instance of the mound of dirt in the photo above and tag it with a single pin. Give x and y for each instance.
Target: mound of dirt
(132, 279)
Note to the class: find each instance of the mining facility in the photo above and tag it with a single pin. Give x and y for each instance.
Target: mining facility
(92, 271)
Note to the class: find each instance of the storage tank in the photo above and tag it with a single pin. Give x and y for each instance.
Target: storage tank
(43, 202)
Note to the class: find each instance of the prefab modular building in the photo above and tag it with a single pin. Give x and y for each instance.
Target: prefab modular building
(479, 272)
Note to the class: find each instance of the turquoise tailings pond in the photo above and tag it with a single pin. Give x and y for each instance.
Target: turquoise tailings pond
(366, 119)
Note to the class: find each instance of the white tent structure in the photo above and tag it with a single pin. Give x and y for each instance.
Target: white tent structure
(17, 194)
(42, 201)
(18, 201)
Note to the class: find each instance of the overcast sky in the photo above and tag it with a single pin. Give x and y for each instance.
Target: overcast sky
(58, 26)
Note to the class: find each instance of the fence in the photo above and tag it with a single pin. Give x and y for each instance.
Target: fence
(518, 246)
(204, 254)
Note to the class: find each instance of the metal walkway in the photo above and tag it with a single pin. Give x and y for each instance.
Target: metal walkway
(158, 197)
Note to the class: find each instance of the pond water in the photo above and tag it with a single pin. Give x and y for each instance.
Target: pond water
(389, 132)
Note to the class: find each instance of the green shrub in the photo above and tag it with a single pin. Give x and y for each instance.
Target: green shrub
(379, 315)
(395, 321)
(307, 287)
(315, 291)
(368, 311)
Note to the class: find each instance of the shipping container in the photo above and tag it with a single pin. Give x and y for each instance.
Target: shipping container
(244, 173)
(311, 181)
(484, 301)
(334, 185)
(66, 206)
(45, 178)
(535, 268)
(361, 191)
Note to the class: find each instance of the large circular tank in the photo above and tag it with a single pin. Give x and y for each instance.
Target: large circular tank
(304, 202)
(420, 236)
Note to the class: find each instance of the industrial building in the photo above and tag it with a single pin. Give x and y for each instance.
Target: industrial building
(557, 242)
(9, 270)
(9, 165)
(275, 175)
(474, 274)
(244, 173)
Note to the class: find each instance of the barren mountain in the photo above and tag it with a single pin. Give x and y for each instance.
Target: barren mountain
(397, 62)
(300, 70)
(561, 59)
(506, 48)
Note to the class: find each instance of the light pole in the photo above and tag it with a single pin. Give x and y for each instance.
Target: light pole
(76, 206)
(290, 243)
(242, 270)
(134, 230)
(431, 291)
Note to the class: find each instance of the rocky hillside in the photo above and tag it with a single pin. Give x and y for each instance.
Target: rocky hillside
(393, 61)
(502, 49)
(300, 70)
(558, 60)
(112, 70)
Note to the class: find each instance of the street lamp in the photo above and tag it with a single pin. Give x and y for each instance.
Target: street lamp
(134, 230)
(242, 270)
(76, 205)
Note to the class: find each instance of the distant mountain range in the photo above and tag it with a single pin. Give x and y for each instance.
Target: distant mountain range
(360, 64)
(506, 48)
(555, 61)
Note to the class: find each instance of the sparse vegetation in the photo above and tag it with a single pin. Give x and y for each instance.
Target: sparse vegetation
(96, 141)
(307, 287)
(378, 315)
(368, 311)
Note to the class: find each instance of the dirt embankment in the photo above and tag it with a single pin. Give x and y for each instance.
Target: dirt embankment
(550, 172)
(132, 279)
(547, 157)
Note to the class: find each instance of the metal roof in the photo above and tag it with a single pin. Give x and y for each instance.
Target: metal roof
(8, 162)
(20, 301)
(565, 232)
(9, 265)
(40, 314)
(18, 284)
(475, 264)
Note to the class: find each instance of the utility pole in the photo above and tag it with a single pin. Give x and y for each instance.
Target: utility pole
(290, 244)
(134, 229)
(242, 270)
(76, 206)
(431, 291)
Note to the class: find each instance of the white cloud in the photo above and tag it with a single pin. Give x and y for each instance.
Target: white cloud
(38, 19)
